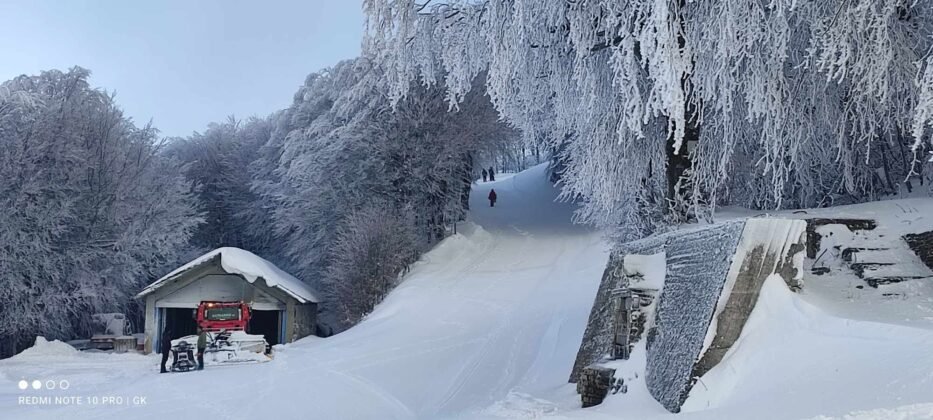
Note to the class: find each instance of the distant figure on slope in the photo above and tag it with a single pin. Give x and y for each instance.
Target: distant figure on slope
(492, 174)
(485, 174)
(165, 348)
(202, 344)
(492, 198)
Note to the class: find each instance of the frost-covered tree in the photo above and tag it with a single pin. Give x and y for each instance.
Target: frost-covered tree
(341, 147)
(217, 163)
(373, 246)
(90, 210)
(665, 108)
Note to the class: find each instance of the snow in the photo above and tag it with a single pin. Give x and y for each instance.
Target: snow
(251, 267)
(493, 313)
(907, 412)
(793, 360)
(651, 268)
(487, 325)
(772, 236)
(44, 349)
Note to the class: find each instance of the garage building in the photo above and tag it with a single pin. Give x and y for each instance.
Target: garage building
(284, 308)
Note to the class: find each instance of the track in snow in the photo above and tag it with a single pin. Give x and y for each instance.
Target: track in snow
(493, 312)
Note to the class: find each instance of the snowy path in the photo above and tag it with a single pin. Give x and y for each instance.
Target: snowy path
(487, 325)
(499, 308)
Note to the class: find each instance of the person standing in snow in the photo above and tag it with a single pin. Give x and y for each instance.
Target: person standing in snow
(492, 174)
(492, 198)
(485, 174)
(202, 344)
(165, 348)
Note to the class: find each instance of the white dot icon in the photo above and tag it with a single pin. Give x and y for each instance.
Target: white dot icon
(23, 384)
(36, 384)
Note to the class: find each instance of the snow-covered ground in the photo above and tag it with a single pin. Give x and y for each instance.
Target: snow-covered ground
(487, 325)
(499, 308)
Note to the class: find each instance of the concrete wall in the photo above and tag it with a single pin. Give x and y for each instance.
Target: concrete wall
(697, 264)
(303, 320)
(714, 275)
(767, 247)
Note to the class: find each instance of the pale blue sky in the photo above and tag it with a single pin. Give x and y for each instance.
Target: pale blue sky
(183, 63)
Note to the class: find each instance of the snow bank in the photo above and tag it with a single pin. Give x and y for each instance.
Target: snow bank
(248, 265)
(794, 360)
(907, 412)
(765, 243)
(45, 348)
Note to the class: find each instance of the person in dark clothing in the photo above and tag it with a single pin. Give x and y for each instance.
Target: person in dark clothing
(202, 344)
(492, 198)
(485, 174)
(492, 174)
(165, 348)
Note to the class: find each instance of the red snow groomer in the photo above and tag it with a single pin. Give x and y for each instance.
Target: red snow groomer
(216, 316)
(226, 324)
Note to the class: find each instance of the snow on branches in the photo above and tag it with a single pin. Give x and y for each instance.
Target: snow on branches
(91, 210)
(778, 104)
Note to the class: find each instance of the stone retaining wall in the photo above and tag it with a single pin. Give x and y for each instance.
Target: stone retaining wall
(714, 275)
(922, 245)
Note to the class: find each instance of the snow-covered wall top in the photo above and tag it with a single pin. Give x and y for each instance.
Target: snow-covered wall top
(248, 265)
(697, 264)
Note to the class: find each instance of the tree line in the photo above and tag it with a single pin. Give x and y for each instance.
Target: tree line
(343, 189)
(660, 111)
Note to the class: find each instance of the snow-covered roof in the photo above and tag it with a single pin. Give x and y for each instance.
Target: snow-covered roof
(248, 265)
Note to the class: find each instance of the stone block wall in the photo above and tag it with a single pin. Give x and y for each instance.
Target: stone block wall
(922, 245)
(814, 238)
(599, 334)
(594, 384)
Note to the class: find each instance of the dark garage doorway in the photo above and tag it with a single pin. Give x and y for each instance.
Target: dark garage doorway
(181, 322)
(265, 323)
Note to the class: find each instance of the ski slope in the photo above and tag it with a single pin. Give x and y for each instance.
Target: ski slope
(496, 310)
(487, 325)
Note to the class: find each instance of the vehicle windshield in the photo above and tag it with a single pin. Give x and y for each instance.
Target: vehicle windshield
(222, 314)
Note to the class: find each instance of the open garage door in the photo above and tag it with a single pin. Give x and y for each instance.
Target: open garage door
(181, 321)
(267, 323)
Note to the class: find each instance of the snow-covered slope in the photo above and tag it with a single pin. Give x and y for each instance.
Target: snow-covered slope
(487, 325)
(496, 310)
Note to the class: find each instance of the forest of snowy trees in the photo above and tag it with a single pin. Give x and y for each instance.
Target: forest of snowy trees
(342, 189)
(91, 209)
(654, 112)
(664, 109)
